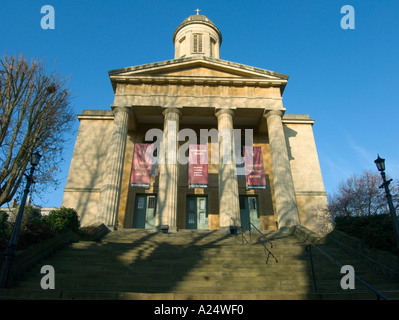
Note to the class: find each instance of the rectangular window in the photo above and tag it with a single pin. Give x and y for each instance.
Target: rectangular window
(197, 43)
(202, 204)
(151, 202)
(191, 205)
(252, 204)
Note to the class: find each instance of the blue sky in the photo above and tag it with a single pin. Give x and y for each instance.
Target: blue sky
(344, 79)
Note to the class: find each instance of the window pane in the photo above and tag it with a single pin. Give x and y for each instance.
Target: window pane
(252, 203)
(202, 204)
(191, 204)
(151, 202)
(197, 43)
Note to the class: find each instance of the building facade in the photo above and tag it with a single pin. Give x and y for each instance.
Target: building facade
(135, 165)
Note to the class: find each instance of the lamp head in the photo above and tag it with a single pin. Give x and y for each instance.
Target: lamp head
(380, 163)
(34, 160)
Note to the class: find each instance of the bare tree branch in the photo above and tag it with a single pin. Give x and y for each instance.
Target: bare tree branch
(362, 196)
(35, 116)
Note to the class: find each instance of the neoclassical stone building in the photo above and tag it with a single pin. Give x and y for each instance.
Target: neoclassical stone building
(195, 93)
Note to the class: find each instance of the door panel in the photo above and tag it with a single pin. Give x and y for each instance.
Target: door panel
(202, 212)
(249, 212)
(244, 213)
(253, 211)
(150, 212)
(196, 213)
(191, 213)
(144, 212)
(139, 212)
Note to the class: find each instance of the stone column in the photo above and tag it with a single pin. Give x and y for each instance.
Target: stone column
(229, 210)
(168, 172)
(110, 191)
(287, 211)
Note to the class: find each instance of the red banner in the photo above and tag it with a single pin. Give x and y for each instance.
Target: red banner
(254, 171)
(142, 165)
(198, 166)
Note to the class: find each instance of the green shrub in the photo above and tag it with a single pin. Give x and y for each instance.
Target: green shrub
(31, 216)
(62, 220)
(376, 231)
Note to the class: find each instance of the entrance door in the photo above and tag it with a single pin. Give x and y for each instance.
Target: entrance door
(249, 212)
(144, 212)
(196, 213)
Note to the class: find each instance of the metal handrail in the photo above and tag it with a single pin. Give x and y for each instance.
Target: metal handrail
(308, 249)
(268, 253)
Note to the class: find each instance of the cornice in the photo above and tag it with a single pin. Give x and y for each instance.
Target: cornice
(199, 80)
(204, 60)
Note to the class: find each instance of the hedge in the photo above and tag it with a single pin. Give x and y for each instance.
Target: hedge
(376, 231)
(36, 228)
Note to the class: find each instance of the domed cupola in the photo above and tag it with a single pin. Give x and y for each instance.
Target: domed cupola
(197, 35)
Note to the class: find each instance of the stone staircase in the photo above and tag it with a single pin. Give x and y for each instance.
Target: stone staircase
(197, 265)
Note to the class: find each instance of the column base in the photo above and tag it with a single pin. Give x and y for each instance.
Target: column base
(233, 230)
(111, 227)
(166, 229)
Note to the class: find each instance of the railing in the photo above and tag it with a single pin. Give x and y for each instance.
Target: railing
(264, 240)
(309, 249)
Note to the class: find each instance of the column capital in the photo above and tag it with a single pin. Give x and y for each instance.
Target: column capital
(269, 113)
(221, 111)
(117, 109)
(122, 111)
(169, 110)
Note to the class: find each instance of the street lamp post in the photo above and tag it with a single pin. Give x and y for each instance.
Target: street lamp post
(380, 163)
(9, 252)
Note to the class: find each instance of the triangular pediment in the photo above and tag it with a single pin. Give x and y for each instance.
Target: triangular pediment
(197, 69)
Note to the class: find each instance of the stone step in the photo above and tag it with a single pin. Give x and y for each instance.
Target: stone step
(192, 286)
(174, 286)
(116, 249)
(108, 295)
(192, 263)
(198, 272)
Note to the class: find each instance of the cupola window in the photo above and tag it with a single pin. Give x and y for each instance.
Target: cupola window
(197, 43)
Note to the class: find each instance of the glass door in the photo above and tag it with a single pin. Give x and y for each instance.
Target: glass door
(196, 213)
(249, 212)
(144, 212)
